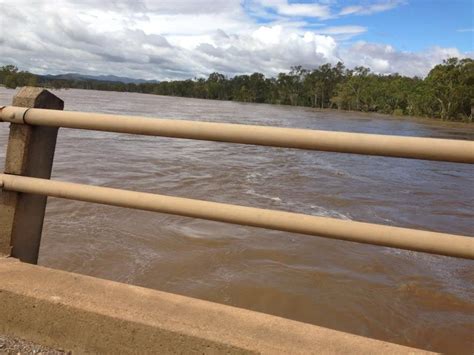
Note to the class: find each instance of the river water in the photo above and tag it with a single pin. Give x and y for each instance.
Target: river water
(400, 296)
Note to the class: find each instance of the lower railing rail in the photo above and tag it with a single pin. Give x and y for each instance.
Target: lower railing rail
(403, 238)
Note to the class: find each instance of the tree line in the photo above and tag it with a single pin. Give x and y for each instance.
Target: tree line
(446, 93)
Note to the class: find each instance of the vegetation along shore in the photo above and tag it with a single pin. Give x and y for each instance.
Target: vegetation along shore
(446, 93)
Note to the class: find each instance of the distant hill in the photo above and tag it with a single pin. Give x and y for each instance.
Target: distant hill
(106, 78)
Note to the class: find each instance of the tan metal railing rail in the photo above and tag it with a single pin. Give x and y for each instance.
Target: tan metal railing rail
(26, 131)
(403, 238)
(343, 142)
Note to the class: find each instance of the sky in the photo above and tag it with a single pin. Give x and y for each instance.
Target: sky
(181, 39)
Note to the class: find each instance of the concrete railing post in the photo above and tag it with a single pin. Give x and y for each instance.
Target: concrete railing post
(30, 152)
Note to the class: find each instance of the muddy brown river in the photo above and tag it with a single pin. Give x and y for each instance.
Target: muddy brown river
(410, 298)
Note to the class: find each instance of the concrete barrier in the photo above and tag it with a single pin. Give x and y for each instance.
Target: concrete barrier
(88, 315)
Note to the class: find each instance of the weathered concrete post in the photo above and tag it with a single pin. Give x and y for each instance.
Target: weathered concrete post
(30, 152)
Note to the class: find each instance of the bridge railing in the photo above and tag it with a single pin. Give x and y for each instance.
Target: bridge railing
(26, 182)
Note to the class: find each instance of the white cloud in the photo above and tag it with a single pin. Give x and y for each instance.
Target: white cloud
(343, 30)
(183, 38)
(370, 8)
(282, 7)
(323, 9)
(386, 59)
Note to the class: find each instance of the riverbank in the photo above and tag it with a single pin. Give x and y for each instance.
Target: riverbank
(445, 93)
(420, 119)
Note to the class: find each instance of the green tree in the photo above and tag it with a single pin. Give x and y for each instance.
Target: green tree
(452, 86)
(447, 92)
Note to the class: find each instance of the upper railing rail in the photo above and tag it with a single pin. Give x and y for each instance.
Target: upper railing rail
(28, 170)
(448, 150)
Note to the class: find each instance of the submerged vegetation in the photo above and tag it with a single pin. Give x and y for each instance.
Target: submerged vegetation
(446, 93)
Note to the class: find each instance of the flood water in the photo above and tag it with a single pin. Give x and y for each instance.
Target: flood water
(405, 297)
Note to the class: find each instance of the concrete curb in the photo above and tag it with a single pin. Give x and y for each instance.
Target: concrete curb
(90, 315)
